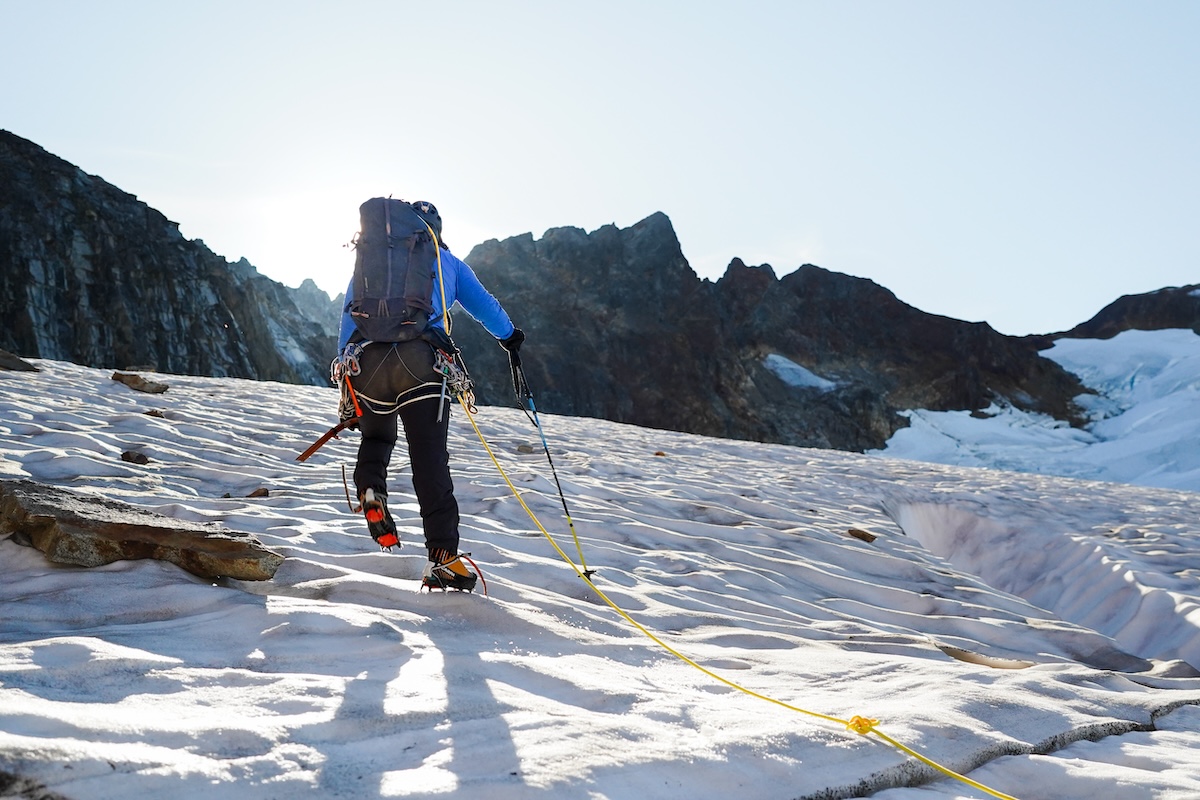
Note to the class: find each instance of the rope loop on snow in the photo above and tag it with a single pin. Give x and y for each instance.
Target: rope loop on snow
(860, 725)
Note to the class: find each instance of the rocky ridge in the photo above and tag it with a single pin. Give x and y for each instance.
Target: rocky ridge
(92, 275)
(621, 328)
(1169, 307)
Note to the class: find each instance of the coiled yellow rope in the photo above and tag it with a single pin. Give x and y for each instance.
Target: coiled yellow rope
(860, 725)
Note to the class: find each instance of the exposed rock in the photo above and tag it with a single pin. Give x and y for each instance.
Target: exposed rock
(140, 384)
(861, 535)
(878, 355)
(14, 787)
(621, 328)
(134, 457)
(14, 362)
(76, 529)
(1172, 307)
(90, 274)
(314, 302)
(619, 325)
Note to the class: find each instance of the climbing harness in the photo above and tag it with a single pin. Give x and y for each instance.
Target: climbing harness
(861, 725)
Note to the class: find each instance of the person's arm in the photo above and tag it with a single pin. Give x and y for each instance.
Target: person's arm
(478, 301)
(347, 322)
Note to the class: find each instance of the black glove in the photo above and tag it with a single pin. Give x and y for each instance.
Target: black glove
(513, 343)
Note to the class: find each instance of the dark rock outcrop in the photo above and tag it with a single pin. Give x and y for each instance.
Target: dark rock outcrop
(619, 325)
(90, 274)
(16, 787)
(1172, 307)
(87, 531)
(14, 362)
(881, 355)
(621, 328)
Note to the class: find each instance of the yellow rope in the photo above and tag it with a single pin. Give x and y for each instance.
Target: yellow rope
(859, 725)
(437, 248)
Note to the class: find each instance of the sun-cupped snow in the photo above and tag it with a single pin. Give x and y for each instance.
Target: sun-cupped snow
(1130, 582)
(1145, 413)
(339, 678)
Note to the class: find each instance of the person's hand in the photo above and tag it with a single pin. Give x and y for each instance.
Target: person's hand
(513, 343)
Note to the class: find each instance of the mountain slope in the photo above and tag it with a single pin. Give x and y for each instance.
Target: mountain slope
(621, 328)
(1142, 406)
(90, 274)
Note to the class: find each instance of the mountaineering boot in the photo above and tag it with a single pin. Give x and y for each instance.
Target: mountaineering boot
(379, 520)
(447, 571)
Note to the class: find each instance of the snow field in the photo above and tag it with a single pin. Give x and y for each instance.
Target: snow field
(340, 679)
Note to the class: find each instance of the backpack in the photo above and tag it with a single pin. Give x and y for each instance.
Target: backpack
(395, 257)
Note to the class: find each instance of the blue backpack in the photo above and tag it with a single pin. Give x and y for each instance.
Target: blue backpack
(395, 259)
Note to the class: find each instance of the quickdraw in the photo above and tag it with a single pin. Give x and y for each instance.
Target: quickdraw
(455, 380)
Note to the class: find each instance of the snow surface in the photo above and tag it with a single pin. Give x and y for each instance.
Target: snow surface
(1145, 418)
(794, 374)
(1027, 629)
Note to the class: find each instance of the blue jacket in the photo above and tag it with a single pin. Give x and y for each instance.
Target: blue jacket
(461, 285)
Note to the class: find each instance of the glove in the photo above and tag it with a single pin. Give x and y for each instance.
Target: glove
(513, 343)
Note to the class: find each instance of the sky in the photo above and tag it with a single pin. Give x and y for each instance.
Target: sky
(1021, 163)
(1034, 631)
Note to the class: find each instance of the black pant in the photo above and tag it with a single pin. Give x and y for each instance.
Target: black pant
(398, 384)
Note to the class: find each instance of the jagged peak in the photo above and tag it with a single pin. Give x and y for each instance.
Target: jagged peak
(736, 265)
(653, 234)
(656, 220)
(808, 275)
(657, 223)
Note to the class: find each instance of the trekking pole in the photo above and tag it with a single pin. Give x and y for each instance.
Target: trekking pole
(525, 400)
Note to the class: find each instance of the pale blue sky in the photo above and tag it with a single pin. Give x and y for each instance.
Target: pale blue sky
(1022, 163)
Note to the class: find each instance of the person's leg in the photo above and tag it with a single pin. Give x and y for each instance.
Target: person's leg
(370, 475)
(375, 449)
(379, 435)
(426, 437)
